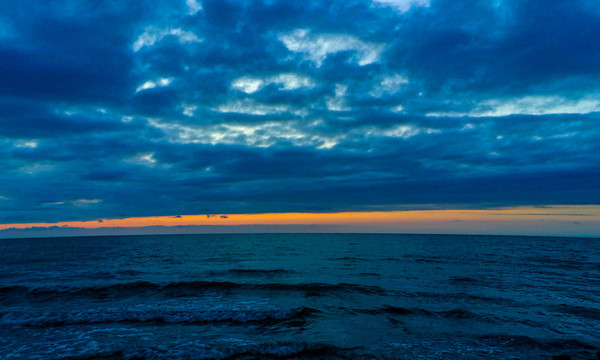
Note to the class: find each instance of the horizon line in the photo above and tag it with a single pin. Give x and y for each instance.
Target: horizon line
(556, 220)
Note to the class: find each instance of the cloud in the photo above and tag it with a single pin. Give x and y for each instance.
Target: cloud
(248, 84)
(152, 35)
(338, 102)
(250, 107)
(405, 131)
(529, 105)
(402, 5)
(217, 107)
(285, 81)
(35, 168)
(389, 84)
(32, 144)
(262, 134)
(77, 202)
(85, 202)
(193, 6)
(149, 84)
(317, 48)
(145, 159)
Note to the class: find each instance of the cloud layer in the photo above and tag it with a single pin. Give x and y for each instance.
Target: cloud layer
(118, 109)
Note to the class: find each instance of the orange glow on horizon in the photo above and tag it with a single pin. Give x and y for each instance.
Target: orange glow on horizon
(385, 219)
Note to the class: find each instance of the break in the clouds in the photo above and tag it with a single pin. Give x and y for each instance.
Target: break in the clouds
(120, 109)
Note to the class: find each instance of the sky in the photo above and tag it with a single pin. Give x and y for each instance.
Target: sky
(124, 113)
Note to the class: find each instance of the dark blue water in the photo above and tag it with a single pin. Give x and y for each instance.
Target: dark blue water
(300, 296)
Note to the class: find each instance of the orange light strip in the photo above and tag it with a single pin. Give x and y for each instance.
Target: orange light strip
(376, 218)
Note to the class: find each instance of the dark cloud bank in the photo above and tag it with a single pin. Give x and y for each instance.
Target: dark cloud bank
(118, 109)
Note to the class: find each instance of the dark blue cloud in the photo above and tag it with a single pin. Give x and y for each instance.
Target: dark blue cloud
(66, 60)
(117, 109)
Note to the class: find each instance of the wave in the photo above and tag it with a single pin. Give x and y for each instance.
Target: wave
(581, 311)
(560, 263)
(390, 259)
(523, 341)
(243, 350)
(369, 274)
(179, 289)
(155, 315)
(201, 351)
(386, 310)
(350, 259)
(425, 259)
(467, 280)
(466, 297)
(260, 271)
(448, 314)
(13, 289)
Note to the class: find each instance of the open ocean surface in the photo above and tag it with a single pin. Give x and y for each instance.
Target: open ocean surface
(299, 296)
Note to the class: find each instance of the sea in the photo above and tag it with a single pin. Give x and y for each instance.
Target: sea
(299, 296)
